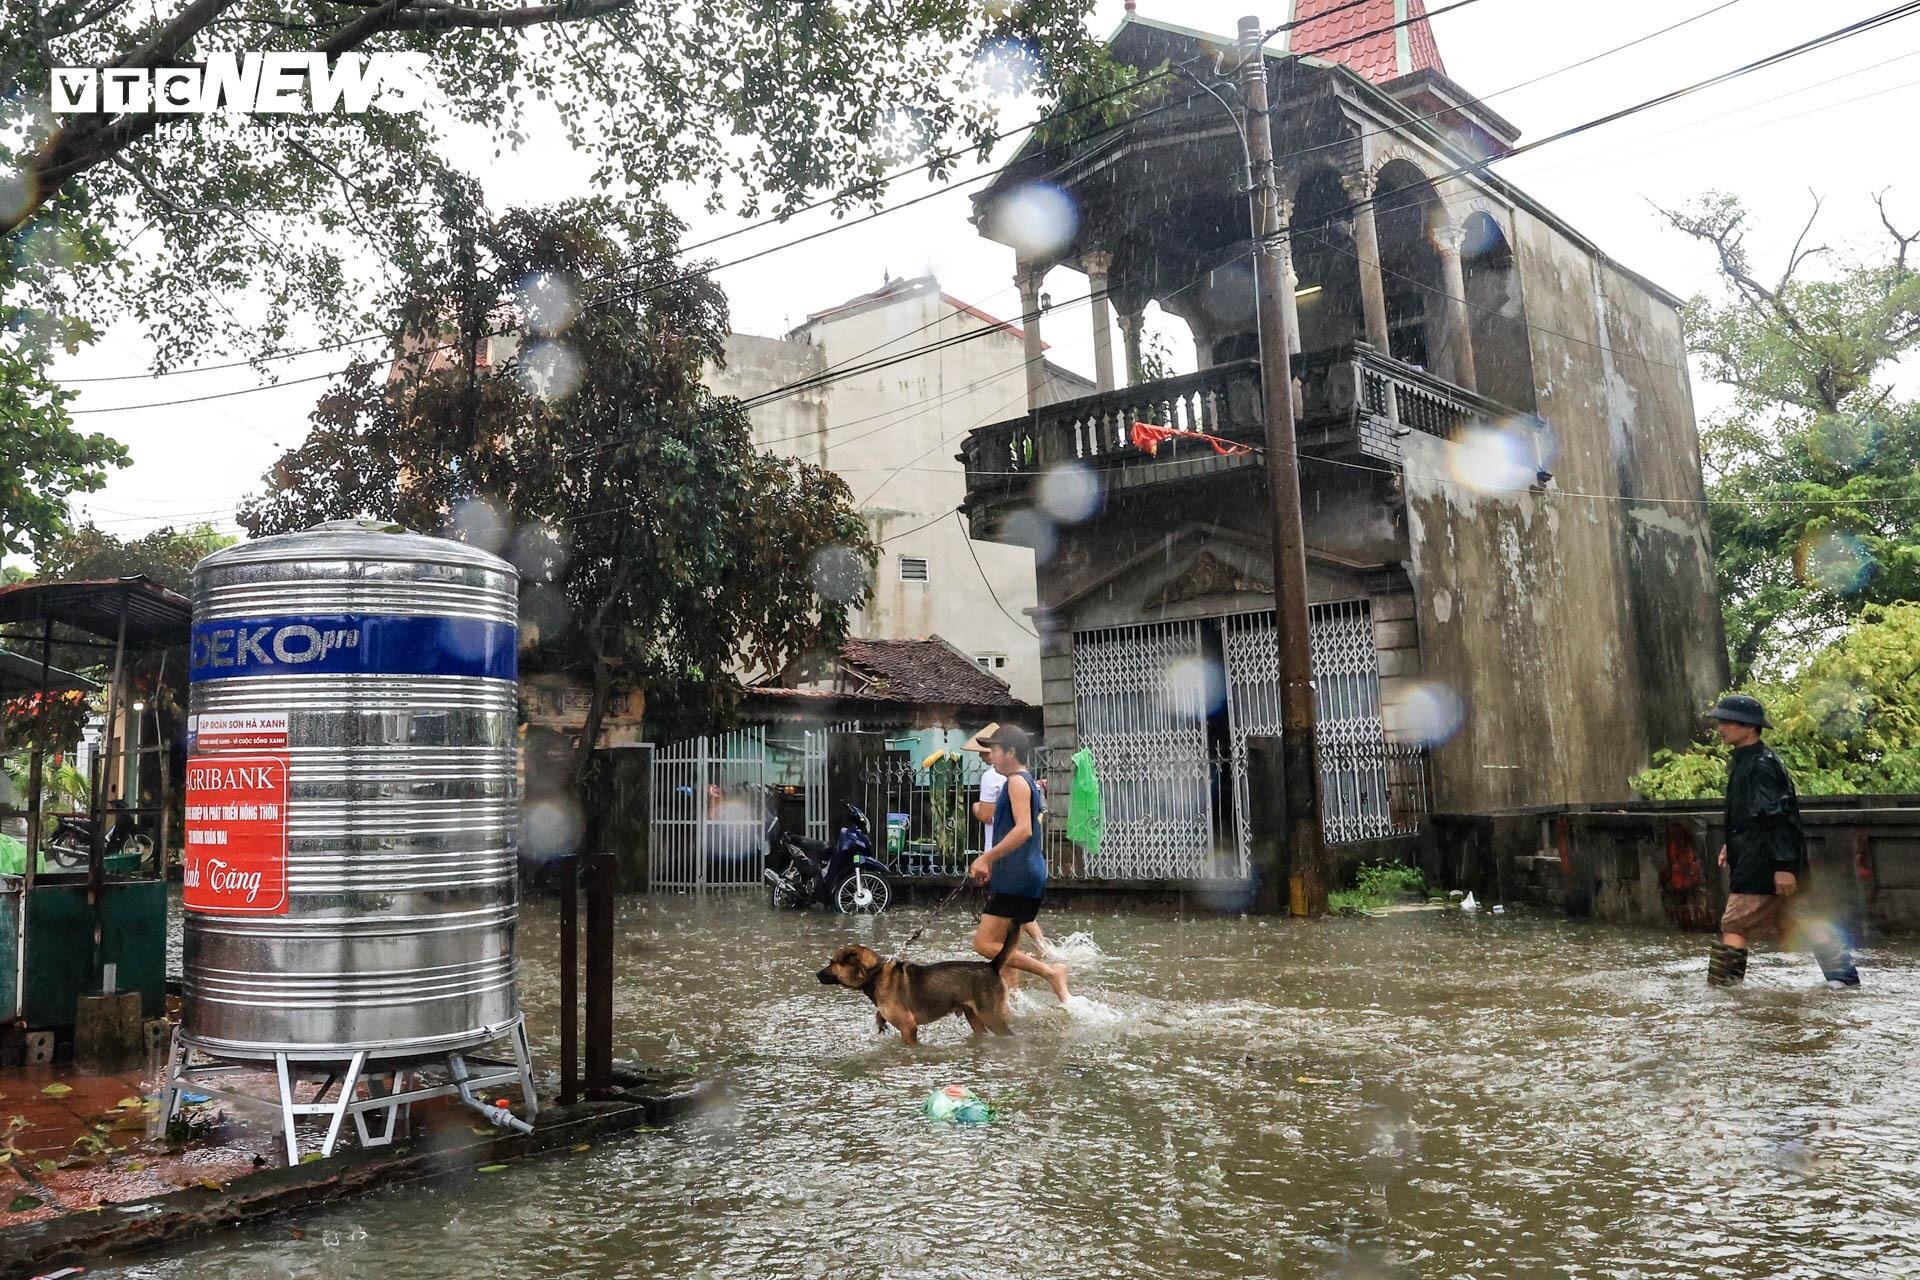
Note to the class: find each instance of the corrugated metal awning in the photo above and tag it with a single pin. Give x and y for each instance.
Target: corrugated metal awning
(154, 615)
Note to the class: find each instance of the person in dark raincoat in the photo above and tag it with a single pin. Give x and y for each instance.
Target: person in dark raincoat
(1765, 855)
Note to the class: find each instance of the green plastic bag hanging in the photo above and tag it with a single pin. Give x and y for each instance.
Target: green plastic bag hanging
(1086, 819)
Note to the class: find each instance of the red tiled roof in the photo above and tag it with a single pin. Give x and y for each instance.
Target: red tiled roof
(917, 671)
(1327, 29)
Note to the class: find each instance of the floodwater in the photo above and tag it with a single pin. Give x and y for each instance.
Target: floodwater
(1418, 1096)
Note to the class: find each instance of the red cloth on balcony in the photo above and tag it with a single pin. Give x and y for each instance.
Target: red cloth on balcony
(1148, 438)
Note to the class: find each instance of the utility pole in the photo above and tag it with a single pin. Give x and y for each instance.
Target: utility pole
(1307, 850)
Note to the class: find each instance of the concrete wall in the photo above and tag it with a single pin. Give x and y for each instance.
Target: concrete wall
(892, 434)
(1656, 864)
(1580, 625)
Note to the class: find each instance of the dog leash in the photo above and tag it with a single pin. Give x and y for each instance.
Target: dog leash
(966, 882)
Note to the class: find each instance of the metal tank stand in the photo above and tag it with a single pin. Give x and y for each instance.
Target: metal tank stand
(378, 1094)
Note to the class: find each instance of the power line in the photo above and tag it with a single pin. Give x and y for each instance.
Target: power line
(835, 199)
(966, 536)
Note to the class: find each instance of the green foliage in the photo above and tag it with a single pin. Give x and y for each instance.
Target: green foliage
(43, 459)
(1846, 723)
(165, 555)
(658, 549)
(754, 105)
(1378, 884)
(1816, 466)
(1109, 83)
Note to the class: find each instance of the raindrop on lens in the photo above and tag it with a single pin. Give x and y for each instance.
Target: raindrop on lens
(1492, 459)
(1005, 66)
(1038, 220)
(839, 575)
(1836, 562)
(1070, 492)
(550, 370)
(552, 827)
(539, 553)
(1426, 714)
(544, 613)
(480, 522)
(1196, 682)
(547, 303)
(1030, 528)
(16, 192)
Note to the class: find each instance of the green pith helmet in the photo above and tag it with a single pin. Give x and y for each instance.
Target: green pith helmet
(1741, 709)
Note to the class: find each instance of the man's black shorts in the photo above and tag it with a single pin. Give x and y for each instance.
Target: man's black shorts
(1016, 907)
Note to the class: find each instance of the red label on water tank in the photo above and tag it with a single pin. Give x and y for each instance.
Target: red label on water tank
(236, 855)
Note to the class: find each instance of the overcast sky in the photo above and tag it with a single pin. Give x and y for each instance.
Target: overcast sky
(1838, 120)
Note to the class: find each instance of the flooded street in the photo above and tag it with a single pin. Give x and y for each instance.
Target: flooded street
(1425, 1095)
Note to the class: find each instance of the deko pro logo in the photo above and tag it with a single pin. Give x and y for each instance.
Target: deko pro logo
(250, 83)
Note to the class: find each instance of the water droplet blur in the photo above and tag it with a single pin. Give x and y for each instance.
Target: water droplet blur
(1426, 713)
(1492, 458)
(544, 614)
(839, 574)
(480, 522)
(1038, 220)
(1195, 682)
(1843, 441)
(1028, 527)
(550, 370)
(17, 188)
(538, 552)
(1840, 709)
(551, 827)
(1837, 562)
(1070, 492)
(1006, 67)
(547, 303)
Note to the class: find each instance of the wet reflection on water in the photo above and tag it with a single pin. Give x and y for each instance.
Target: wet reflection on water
(1430, 1096)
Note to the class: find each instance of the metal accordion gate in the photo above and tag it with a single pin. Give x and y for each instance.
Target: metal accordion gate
(1167, 708)
(1142, 700)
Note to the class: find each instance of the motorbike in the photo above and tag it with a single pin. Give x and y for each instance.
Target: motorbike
(844, 875)
(71, 842)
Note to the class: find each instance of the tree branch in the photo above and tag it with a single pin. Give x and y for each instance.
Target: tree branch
(1905, 242)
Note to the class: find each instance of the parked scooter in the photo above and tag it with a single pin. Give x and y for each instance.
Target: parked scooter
(70, 843)
(845, 876)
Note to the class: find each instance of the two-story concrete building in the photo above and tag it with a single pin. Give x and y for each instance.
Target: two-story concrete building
(1509, 561)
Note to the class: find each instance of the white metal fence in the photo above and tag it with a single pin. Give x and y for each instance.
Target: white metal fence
(709, 801)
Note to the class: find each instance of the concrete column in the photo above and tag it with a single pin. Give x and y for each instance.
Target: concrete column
(1097, 265)
(1131, 326)
(1028, 278)
(1453, 280)
(1289, 302)
(1366, 248)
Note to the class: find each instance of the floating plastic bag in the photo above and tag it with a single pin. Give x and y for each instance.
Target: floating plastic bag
(956, 1104)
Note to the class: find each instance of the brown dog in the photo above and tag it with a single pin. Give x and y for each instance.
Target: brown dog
(909, 995)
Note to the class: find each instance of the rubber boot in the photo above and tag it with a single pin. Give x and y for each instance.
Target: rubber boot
(1836, 963)
(1726, 966)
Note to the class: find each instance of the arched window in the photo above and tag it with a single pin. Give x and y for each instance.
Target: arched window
(1405, 211)
(1502, 351)
(1328, 294)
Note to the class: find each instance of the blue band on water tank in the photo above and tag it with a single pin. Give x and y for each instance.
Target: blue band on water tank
(353, 644)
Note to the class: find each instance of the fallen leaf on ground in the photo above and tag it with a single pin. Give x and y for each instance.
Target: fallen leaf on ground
(135, 1166)
(45, 1166)
(22, 1203)
(585, 1146)
(124, 1103)
(209, 1184)
(491, 1168)
(57, 1090)
(296, 1233)
(310, 1157)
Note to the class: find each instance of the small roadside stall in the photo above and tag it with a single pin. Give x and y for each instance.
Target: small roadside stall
(91, 888)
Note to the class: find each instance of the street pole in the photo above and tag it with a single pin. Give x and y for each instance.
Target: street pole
(1307, 875)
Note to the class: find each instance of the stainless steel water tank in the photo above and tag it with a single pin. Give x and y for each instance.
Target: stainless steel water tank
(377, 668)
